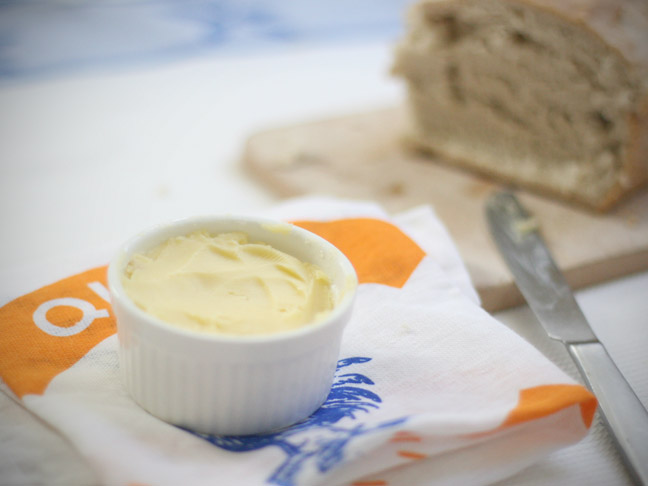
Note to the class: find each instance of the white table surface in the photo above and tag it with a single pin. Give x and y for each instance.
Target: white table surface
(89, 158)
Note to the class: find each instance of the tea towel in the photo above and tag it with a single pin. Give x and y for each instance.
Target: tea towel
(429, 388)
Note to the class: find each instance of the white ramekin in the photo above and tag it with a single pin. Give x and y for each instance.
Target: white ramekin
(230, 385)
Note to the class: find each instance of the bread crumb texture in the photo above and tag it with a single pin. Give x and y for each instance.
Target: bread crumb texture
(545, 94)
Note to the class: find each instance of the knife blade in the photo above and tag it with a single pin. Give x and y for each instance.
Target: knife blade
(516, 234)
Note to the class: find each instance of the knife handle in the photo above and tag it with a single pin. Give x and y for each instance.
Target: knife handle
(620, 408)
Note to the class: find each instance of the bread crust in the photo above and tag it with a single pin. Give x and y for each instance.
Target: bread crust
(636, 164)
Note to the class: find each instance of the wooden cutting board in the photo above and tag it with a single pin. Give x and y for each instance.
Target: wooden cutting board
(362, 156)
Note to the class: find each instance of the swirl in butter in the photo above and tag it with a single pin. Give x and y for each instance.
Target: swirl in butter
(228, 285)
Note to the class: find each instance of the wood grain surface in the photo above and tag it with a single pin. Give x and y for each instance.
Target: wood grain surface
(363, 156)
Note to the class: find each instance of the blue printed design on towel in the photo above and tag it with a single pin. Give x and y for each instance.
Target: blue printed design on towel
(347, 398)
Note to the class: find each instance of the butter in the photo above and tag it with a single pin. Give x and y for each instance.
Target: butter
(226, 284)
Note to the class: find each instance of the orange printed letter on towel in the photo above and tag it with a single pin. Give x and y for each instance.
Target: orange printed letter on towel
(380, 252)
(541, 401)
(45, 332)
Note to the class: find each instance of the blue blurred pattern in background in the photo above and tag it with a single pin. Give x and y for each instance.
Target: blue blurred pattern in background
(48, 37)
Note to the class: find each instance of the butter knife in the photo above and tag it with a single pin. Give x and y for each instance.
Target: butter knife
(516, 234)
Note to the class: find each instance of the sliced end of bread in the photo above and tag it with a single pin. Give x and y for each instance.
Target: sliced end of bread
(526, 96)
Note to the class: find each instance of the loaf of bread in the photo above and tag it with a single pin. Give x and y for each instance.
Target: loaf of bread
(551, 95)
